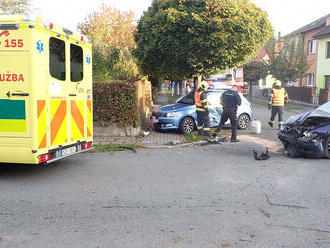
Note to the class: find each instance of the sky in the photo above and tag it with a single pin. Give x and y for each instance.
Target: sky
(285, 15)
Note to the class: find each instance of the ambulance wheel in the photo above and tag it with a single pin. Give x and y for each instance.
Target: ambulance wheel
(243, 121)
(187, 125)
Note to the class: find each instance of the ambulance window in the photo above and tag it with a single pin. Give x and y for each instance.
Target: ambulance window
(57, 58)
(76, 59)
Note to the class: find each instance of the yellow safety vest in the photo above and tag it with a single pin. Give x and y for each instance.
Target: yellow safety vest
(278, 97)
(198, 102)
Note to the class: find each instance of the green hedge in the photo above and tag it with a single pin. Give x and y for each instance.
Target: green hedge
(115, 103)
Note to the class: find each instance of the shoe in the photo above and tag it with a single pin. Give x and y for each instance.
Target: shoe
(270, 124)
(234, 140)
(279, 126)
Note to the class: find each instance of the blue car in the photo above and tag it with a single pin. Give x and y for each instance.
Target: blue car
(182, 115)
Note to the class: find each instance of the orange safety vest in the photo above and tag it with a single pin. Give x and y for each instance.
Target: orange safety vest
(278, 97)
(198, 102)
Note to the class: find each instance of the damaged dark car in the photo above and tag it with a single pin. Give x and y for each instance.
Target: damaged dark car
(308, 134)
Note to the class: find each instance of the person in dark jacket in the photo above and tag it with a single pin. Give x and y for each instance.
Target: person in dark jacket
(230, 100)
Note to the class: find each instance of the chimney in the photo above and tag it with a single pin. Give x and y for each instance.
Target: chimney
(327, 23)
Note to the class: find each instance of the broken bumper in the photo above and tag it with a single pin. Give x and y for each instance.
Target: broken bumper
(314, 148)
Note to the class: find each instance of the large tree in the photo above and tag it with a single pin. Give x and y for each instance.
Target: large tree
(12, 7)
(183, 38)
(112, 34)
(287, 60)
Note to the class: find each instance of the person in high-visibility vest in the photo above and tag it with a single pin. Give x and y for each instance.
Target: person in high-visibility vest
(203, 119)
(277, 99)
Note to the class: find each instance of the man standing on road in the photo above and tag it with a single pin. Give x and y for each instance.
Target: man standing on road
(230, 100)
(277, 98)
(202, 111)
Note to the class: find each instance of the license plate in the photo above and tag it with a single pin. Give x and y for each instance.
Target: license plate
(69, 150)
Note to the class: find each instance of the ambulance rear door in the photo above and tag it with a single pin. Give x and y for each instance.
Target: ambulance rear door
(15, 88)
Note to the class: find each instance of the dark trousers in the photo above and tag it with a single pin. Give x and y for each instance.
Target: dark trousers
(230, 114)
(277, 110)
(203, 121)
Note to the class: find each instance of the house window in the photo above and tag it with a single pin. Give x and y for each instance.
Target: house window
(312, 47)
(310, 80)
(328, 50)
(327, 82)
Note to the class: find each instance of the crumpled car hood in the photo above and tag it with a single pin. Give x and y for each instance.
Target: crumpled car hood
(301, 118)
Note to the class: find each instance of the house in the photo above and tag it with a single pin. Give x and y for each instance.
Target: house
(311, 34)
(323, 62)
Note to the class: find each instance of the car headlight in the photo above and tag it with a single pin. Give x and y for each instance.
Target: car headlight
(309, 136)
(172, 114)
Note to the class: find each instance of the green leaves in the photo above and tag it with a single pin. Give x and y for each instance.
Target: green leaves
(180, 39)
(253, 71)
(287, 58)
(115, 103)
(12, 7)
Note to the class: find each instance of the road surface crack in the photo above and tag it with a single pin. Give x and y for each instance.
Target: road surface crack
(284, 205)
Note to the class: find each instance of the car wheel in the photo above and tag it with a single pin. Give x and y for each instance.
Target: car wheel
(243, 121)
(187, 125)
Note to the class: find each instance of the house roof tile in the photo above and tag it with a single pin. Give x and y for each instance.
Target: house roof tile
(313, 25)
(323, 33)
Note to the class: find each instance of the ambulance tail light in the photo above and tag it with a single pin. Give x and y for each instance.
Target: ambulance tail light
(83, 38)
(86, 145)
(44, 157)
(51, 25)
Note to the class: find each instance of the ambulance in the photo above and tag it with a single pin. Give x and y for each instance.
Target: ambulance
(45, 91)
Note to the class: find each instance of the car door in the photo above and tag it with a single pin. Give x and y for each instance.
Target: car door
(215, 108)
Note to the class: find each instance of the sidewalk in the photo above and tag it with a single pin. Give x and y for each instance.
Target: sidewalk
(152, 139)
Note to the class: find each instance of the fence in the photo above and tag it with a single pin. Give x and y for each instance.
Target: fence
(302, 94)
(324, 96)
(144, 99)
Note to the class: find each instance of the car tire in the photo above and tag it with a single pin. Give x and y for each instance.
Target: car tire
(187, 125)
(243, 121)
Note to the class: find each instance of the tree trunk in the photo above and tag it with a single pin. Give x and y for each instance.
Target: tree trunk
(154, 91)
(180, 88)
(195, 83)
(250, 89)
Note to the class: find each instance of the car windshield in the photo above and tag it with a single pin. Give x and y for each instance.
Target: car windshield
(213, 98)
(325, 107)
(187, 99)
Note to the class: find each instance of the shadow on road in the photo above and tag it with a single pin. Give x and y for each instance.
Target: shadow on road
(10, 171)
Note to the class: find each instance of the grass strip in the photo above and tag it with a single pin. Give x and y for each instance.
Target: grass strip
(115, 147)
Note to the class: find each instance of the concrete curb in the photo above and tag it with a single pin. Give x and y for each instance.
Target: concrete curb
(200, 142)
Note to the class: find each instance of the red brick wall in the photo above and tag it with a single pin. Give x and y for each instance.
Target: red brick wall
(312, 58)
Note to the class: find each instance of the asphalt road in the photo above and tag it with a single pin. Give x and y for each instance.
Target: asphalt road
(214, 196)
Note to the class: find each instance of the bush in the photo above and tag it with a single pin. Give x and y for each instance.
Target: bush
(115, 103)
